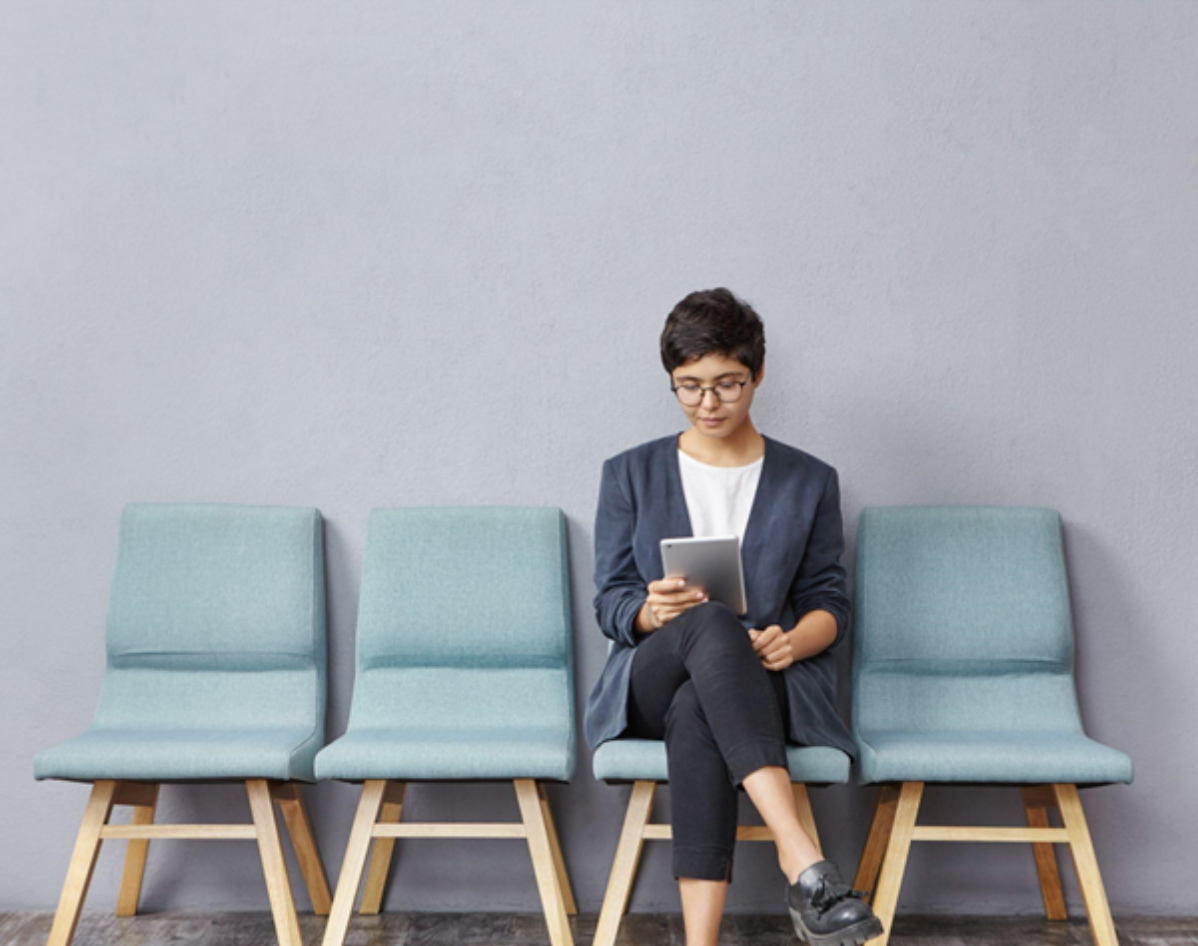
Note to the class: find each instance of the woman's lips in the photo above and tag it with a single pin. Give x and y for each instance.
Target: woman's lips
(711, 421)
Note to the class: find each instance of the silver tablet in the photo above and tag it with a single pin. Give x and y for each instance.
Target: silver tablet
(712, 564)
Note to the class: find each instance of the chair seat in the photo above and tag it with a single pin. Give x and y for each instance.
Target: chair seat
(1020, 758)
(635, 760)
(447, 755)
(162, 755)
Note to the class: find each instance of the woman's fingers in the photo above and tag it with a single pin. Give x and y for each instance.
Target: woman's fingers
(778, 661)
(674, 591)
(774, 648)
(669, 597)
(673, 594)
(665, 586)
(767, 640)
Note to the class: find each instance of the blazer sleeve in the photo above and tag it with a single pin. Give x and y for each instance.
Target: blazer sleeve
(821, 583)
(621, 589)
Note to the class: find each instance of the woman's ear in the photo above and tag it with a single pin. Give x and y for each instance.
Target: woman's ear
(760, 376)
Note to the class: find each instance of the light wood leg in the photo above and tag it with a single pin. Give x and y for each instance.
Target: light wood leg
(382, 853)
(1046, 857)
(559, 862)
(543, 863)
(83, 862)
(295, 814)
(1102, 927)
(623, 869)
(278, 886)
(135, 860)
(806, 815)
(895, 861)
(878, 839)
(355, 862)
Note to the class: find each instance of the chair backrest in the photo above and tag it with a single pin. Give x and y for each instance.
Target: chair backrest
(216, 619)
(464, 621)
(962, 621)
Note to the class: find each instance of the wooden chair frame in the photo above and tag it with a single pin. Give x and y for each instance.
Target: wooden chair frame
(143, 798)
(377, 822)
(894, 828)
(637, 830)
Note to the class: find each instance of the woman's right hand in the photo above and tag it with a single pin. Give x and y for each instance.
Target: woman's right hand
(667, 599)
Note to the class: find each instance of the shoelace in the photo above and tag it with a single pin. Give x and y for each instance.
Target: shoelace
(830, 894)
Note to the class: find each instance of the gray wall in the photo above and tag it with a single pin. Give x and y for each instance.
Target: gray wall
(355, 255)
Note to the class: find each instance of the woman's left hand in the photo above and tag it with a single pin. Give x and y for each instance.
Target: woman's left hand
(774, 647)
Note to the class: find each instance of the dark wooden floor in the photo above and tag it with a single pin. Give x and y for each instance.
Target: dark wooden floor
(524, 929)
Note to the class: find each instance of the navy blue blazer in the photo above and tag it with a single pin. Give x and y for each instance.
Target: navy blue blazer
(791, 553)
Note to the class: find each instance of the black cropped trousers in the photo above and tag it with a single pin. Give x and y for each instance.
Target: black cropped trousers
(698, 684)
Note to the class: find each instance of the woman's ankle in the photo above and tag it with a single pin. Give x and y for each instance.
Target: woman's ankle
(794, 862)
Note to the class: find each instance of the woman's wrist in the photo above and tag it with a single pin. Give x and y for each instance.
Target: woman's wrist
(646, 621)
(814, 634)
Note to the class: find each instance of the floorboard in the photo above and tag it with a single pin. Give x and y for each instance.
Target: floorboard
(528, 929)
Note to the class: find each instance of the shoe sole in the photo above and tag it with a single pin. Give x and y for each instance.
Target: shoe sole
(855, 935)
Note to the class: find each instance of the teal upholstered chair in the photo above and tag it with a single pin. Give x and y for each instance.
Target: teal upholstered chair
(464, 673)
(963, 674)
(643, 763)
(215, 671)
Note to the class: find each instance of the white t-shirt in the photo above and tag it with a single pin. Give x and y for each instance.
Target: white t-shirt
(718, 498)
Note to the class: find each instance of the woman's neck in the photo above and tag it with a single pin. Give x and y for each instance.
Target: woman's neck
(740, 448)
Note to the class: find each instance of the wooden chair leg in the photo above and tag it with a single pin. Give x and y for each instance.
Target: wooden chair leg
(135, 857)
(559, 862)
(1036, 802)
(270, 847)
(1102, 927)
(895, 862)
(878, 839)
(623, 869)
(83, 862)
(539, 847)
(382, 852)
(295, 814)
(806, 815)
(355, 862)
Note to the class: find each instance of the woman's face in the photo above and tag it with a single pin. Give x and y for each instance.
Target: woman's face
(712, 417)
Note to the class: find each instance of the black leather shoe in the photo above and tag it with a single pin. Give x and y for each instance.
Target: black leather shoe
(828, 912)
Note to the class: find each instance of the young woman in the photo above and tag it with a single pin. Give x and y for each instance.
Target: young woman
(725, 692)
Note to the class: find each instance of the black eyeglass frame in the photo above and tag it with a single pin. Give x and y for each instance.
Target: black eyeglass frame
(713, 388)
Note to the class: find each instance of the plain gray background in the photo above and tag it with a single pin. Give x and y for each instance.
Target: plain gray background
(372, 254)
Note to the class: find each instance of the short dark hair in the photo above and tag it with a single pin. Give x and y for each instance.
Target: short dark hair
(713, 321)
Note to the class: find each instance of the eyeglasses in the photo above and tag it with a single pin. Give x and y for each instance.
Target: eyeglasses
(726, 392)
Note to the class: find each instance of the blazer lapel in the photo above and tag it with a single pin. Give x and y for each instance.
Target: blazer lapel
(678, 519)
(759, 526)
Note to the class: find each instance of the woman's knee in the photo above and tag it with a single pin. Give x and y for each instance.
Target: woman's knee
(716, 612)
(714, 625)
